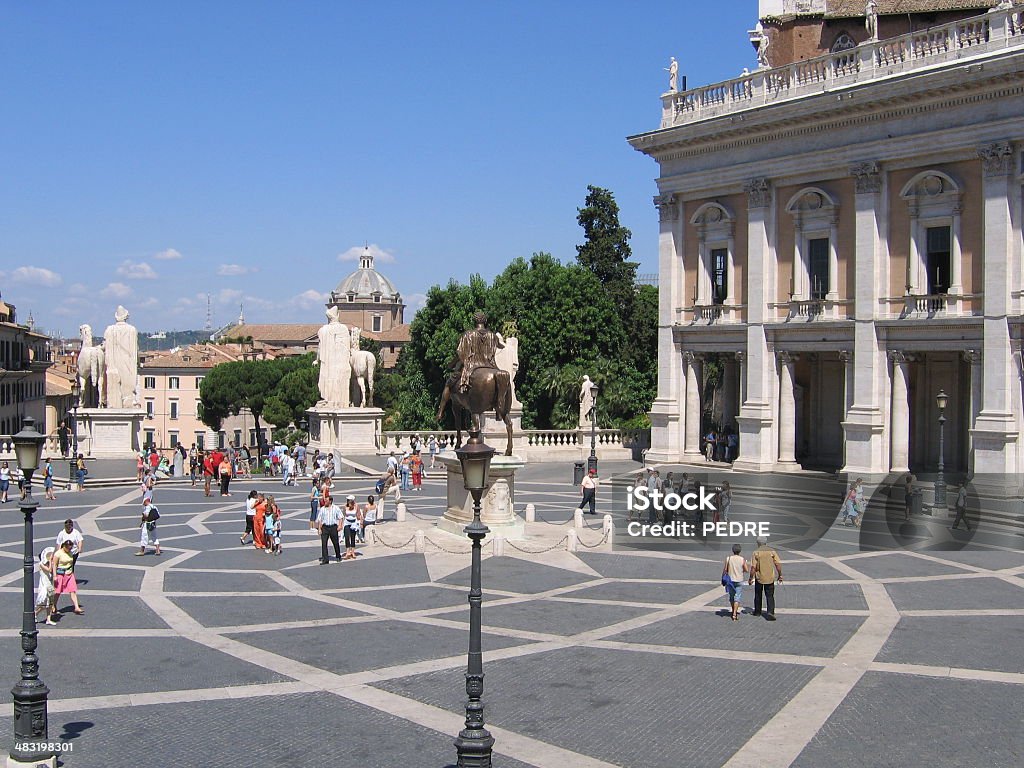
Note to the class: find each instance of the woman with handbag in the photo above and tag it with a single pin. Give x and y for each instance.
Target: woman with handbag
(733, 575)
(45, 598)
(62, 565)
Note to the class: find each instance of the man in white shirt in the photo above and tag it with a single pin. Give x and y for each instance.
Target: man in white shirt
(589, 487)
(69, 533)
(327, 518)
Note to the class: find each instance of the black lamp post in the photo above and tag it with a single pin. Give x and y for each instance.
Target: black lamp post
(76, 399)
(474, 742)
(30, 727)
(941, 401)
(592, 461)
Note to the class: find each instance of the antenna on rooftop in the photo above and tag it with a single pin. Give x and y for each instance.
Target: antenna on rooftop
(209, 315)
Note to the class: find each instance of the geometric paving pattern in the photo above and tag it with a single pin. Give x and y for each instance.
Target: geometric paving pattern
(215, 654)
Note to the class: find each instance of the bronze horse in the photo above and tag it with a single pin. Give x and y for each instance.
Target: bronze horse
(489, 389)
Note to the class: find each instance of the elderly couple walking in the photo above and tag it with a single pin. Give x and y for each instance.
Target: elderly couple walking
(763, 570)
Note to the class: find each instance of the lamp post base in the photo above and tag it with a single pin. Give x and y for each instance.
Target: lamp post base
(474, 749)
(46, 762)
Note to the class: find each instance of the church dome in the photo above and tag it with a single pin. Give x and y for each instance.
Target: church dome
(366, 282)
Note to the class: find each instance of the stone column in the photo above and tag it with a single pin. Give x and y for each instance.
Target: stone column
(973, 359)
(730, 391)
(694, 380)
(900, 414)
(995, 436)
(833, 258)
(867, 374)
(758, 449)
(667, 410)
(787, 412)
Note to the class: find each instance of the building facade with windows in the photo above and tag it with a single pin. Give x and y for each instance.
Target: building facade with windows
(840, 236)
(367, 299)
(24, 359)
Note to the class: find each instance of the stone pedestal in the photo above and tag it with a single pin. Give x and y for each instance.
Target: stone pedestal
(110, 433)
(495, 435)
(345, 430)
(497, 507)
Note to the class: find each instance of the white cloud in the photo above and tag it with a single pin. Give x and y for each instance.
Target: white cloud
(228, 296)
(149, 303)
(136, 270)
(169, 254)
(116, 291)
(310, 298)
(233, 270)
(356, 251)
(414, 302)
(78, 289)
(35, 276)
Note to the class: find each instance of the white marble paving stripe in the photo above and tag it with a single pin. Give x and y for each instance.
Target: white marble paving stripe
(86, 703)
(939, 612)
(93, 632)
(956, 673)
(710, 653)
(781, 740)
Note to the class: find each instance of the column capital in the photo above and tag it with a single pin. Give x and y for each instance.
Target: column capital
(867, 177)
(668, 206)
(846, 356)
(759, 192)
(692, 357)
(898, 356)
(786, 357)
(741, 357)
(972, 356)
(996, 158)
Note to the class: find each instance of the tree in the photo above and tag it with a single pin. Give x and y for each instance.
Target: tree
(294, 394)
(605, 251)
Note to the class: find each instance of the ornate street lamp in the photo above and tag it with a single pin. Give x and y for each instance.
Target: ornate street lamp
(592, 461)
(76, 400)
(304, 427)
(941, 400)
(30, 727)
(475, 742)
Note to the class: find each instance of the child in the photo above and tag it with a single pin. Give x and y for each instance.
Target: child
(272, 526)
(266, 466)
(44, 592)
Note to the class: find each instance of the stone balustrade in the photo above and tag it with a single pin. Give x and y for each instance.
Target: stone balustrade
(538, 443)
(873, 60)
(51, 448)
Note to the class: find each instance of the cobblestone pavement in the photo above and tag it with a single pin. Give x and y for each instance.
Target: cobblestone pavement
(215, 654)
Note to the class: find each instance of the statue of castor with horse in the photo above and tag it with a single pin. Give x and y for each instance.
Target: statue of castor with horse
(477, 385)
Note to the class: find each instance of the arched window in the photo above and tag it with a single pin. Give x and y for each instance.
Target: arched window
(715, 226)
(843, 42)
(934, 202)
(815, 242)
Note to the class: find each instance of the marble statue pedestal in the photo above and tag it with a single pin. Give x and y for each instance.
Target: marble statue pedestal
(345, 430)
(497, 507)
(110, 433)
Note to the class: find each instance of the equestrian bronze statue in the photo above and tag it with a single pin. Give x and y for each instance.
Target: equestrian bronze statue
(476, 384)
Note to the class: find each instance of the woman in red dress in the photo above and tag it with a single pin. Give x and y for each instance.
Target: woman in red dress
(259, 536)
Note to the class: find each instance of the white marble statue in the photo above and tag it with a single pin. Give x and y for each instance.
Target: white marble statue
(588, 399)
(121, 350)
(92, 371)
(762, 51)
(673, 74)
(871, 19)
(364, 364)
(507, 358)
(334, 358)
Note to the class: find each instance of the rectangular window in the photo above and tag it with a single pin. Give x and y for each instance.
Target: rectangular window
(174, 409)
(817, 256)
(150, 438)
(150, 408)
(351, 299)
(149, 382)
(719, 275)
(377, 323)
(174, 439)
(238, 437)
(220, 440)
(201, 441)
(376, 298)
(938, 252)
(199, 380)
(173, 382)
(252, 437)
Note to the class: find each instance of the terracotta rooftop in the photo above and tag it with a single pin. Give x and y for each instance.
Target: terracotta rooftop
(274, 332)
(855, 8)
(202, 356)
(397, 335)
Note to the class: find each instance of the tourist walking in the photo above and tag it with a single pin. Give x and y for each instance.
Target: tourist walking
(272, 527)
(765, 570)
(416, 468)
(5, 481)
(250, 515)
(405, 473)
(327, 525)
(961, 508)
(80, 472)
(140, 466)
(148, 537)
(48, 489)
(70, 533)
(709, 445)
(193, 464)
(62, 566)
(225, 476)
(725, 500)
(45, 595)
(314, 503)
(259, 523)
(432, 447)
(849, 507)
(64, 439)
(589, 488)
(908, 495)
(208, 472)
(352, 516)
(733, 575)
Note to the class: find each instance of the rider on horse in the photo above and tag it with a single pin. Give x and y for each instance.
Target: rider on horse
(476, 349)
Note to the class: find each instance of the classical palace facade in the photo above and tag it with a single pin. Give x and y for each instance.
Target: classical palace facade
(841, 236)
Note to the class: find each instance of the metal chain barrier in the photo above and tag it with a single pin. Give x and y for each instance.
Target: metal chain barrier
(601, 543)
(561, 543)
(429, 540)
(377, 539)
(540, 517)
(425, 518)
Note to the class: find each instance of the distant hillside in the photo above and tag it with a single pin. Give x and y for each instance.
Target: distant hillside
(171, 339)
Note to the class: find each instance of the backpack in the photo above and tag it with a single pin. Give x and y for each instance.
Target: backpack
(154, 514)
(379, 487)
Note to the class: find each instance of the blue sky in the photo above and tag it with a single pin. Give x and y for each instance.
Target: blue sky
(158, 152)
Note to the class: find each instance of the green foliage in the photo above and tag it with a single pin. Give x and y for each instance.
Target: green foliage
(605, 250)
(294, 394)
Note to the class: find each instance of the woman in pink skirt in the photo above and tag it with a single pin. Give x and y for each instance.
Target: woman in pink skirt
(62, 566)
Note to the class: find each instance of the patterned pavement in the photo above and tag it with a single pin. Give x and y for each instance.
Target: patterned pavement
(216, 654)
